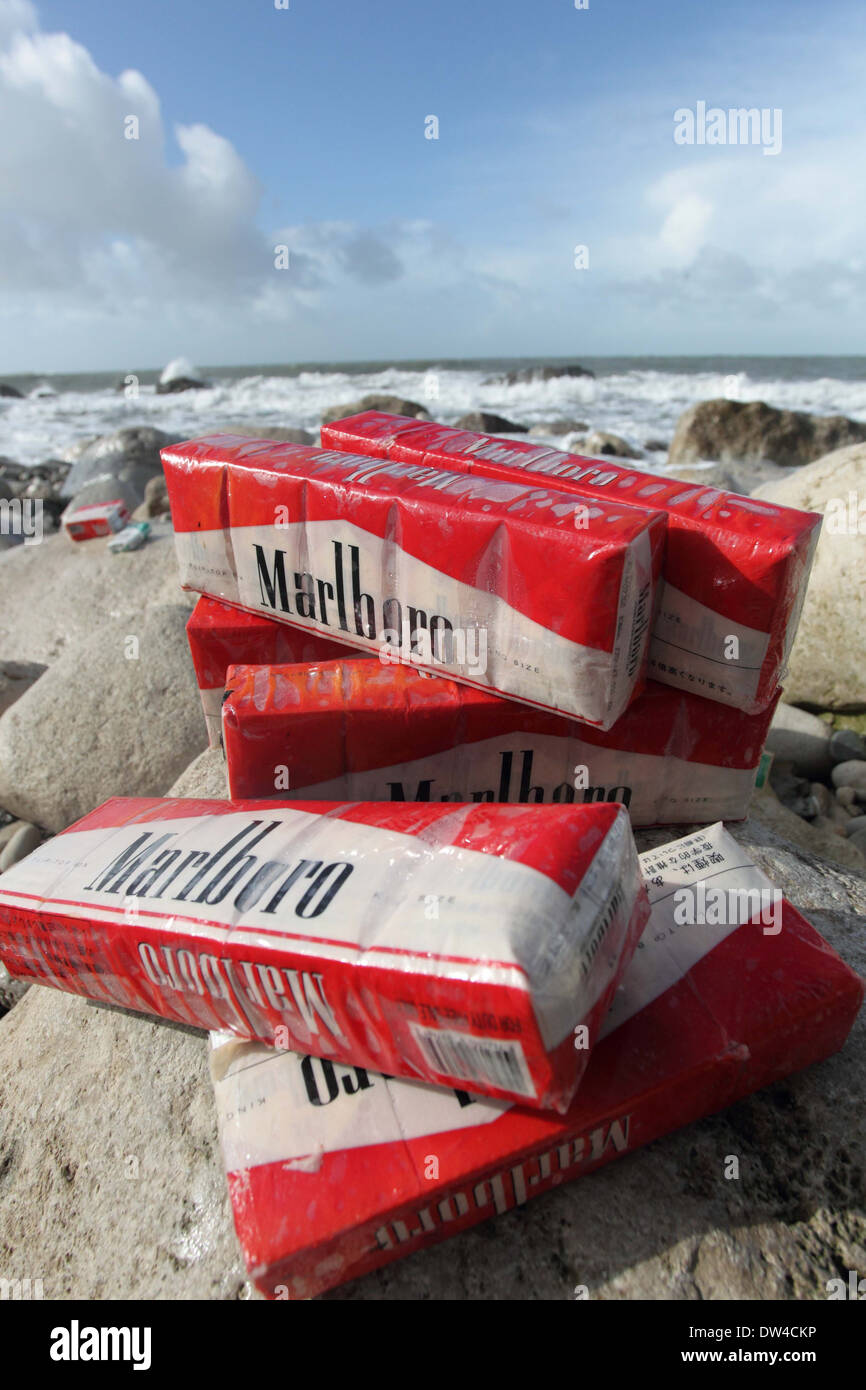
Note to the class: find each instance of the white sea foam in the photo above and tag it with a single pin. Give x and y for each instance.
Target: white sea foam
(640, 404)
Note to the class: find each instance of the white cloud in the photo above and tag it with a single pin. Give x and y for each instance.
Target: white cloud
(684, 228)
(94, 222)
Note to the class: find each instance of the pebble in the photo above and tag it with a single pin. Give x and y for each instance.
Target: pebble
(850, 774)
(19, 844)
(846, 796)
(846, 745)
(858, 840)
(802, 739)
(855, 826)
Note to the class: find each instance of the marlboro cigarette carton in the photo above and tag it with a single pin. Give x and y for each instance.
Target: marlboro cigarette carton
(334, 1171)
(524, 590)
(735, 568)
(478, 946)
(360, 730)
(220, 637)
(100, 519)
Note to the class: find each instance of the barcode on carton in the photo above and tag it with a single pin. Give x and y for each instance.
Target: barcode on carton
(484, 1060)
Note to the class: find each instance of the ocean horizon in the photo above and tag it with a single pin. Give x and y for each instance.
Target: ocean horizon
(637, 397)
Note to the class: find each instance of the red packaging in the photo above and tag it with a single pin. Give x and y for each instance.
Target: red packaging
(220, 637)
(335, 1171)
(530, 592)
(362, 731)
(98, 519)
(734, 568)
(475, 945)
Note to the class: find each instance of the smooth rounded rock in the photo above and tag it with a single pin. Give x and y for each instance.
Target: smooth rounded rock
(850, 774)
(827, 666)
(747, 431)
(56, 594)
(802, 739)
(855, 826)
(24, 841)
(130, 454)
(391, 405)
(118, 714)
(487, 422)
(846, 745)
(602, 442)
(846, 796)
(858, 840)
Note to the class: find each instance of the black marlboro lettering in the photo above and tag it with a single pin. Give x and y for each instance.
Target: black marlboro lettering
(272, 587)
(239, 863)
(213, 859)
(339, 585)
(422, 792)
(527, 792)
(505, 776)
(365, 627)
(126, 863)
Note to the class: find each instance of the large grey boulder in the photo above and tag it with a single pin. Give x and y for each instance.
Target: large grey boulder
(752, 432)
(105, 489)
(828, 662)
(602, 442)
(116, 715)
(487, 422)
(111, 1180)
(131, 455)
(526, 375)
(391, 405)
(56, 593)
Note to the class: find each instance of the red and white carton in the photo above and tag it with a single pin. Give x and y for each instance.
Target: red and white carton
(478, 946)
(536, 594)
(735, 568)
(334, 1171)
(362, 731)
(98, 519)
(220, 636)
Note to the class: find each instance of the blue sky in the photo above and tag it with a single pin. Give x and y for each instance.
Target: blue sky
(305, 127)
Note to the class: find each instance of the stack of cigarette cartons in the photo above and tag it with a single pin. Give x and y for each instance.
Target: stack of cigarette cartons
(439, 978)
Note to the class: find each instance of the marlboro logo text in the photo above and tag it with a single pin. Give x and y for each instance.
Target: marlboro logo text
(209, 877)
(509, 1188)
(514, 785)
(340, 602)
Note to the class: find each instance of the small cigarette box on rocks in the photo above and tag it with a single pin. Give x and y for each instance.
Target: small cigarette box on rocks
(99, 519)
(220, 636)
(474, 945)
(513, 587)
(735, 568)
(358, 730)
(334, 1171)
